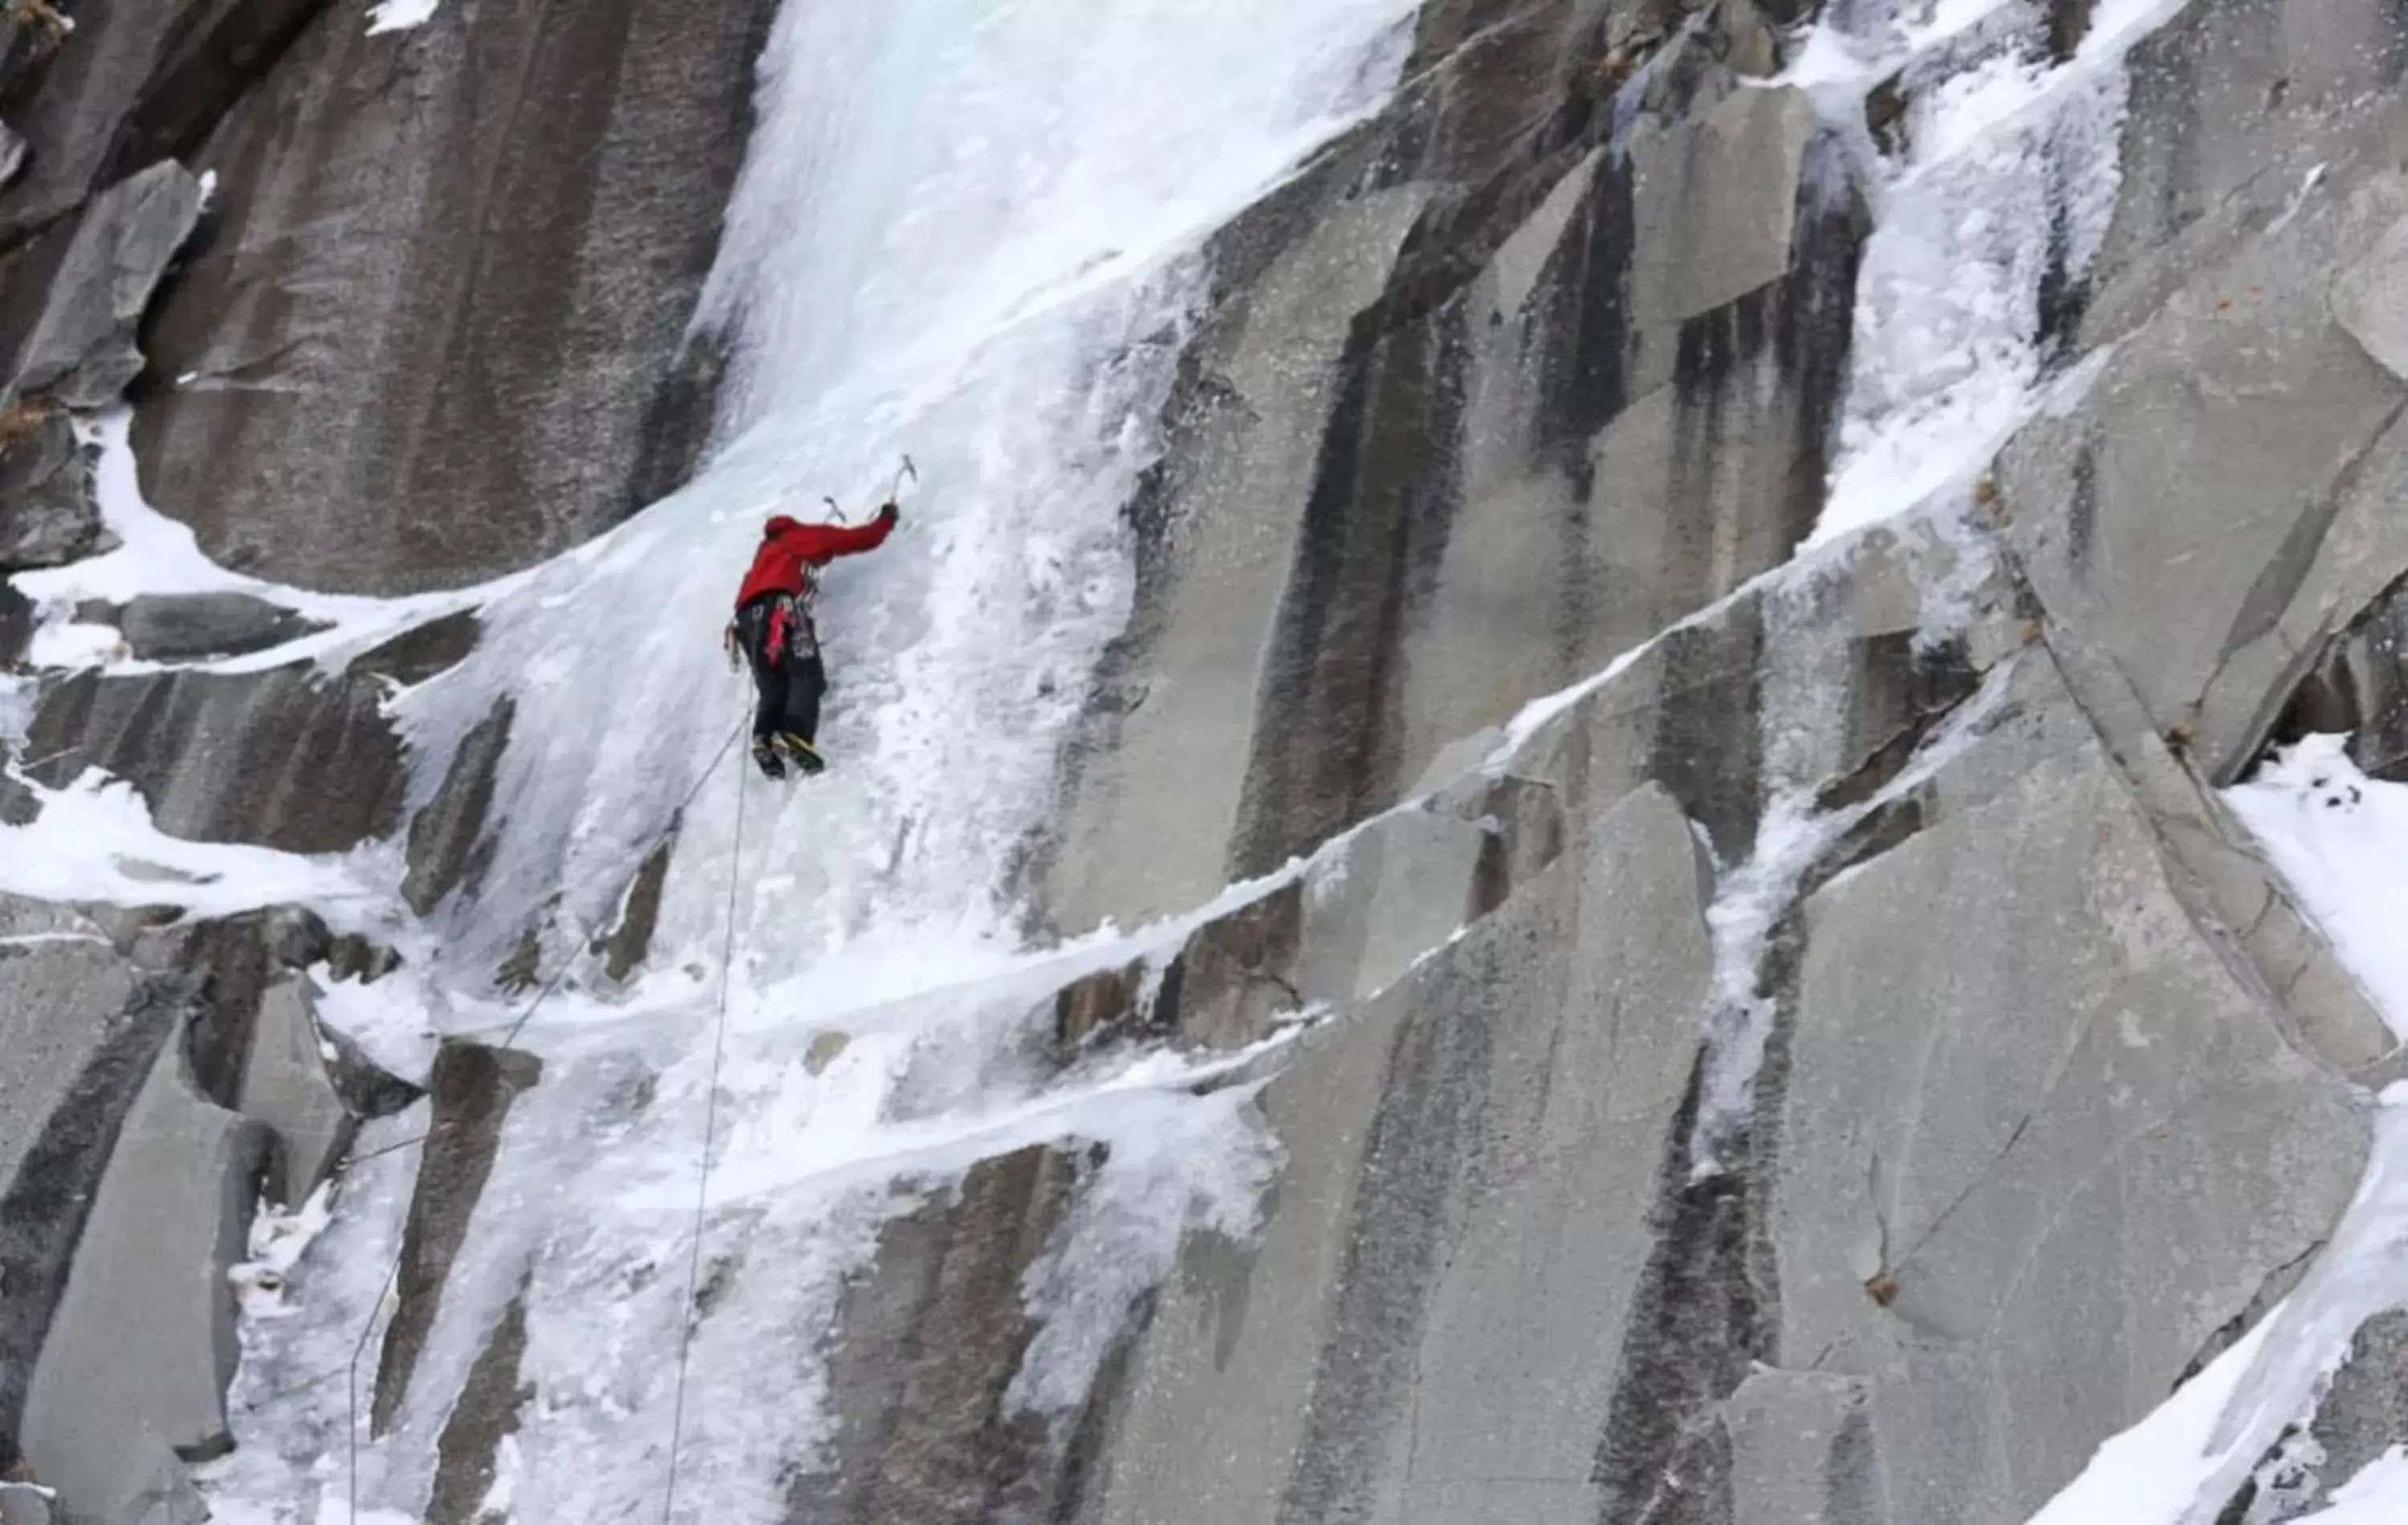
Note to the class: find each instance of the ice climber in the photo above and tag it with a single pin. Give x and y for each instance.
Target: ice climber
(773, 625)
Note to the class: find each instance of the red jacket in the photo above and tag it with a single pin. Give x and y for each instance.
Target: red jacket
(787, 548)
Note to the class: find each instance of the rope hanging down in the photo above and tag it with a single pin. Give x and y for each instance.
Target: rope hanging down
(392, 1271)
(702, 1182)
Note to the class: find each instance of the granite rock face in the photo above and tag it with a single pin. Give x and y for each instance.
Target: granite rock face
(1838, 1064)
(1521, 372)
(450, 267)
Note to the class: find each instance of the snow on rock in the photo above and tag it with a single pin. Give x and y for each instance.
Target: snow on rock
(400, 15)
(2007, 179)
(2342, 840)
(95, 841)
(155, 556)
(278, 1239)
(2148, 1474)
(2378, 1495)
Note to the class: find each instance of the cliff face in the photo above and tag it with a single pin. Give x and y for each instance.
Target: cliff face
(1961, 1080)
(1715, 1024)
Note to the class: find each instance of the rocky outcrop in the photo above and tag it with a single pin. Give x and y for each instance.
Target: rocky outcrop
(161, 1072)
(182, 627)
(134, 1369)
(47, 514)
(450, 267)
(285, 758)
(80, 352)
(444, 837)
(67, 91)
(86, 1030)
(471, 1088)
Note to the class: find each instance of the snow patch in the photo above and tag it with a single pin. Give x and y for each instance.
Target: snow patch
(400, 15)
(2341, 839)
(2378, 1495)
(94, 841)
(278, 1239)
(1172, 1174)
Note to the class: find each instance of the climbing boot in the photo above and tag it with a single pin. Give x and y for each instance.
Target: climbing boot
(800, 753)
(768, 757)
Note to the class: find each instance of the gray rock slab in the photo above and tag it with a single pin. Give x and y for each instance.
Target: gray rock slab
(489, 1411)
(2188, 507)
(2371, 300)
(2014, 1059)
(48, 513)
(2210, 151)
(59, 993)
(12, 153)
(285, 757)
(1408, 884)
(441, 853)
(411, 373)
(1175, 762)
(286, 1084)
(180, 627)
(1233, 981)
(934, 1335)
(1798, 1451)
(1713, 202)
(81, 350)
(143, 1343)
(1426, 1328)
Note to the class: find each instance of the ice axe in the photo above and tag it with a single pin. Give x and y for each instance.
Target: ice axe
(906, 469)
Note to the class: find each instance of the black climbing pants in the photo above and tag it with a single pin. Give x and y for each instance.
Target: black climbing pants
(789, 677)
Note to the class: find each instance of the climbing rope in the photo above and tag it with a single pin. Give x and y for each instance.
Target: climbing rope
(551, 987)
(702, 1183)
